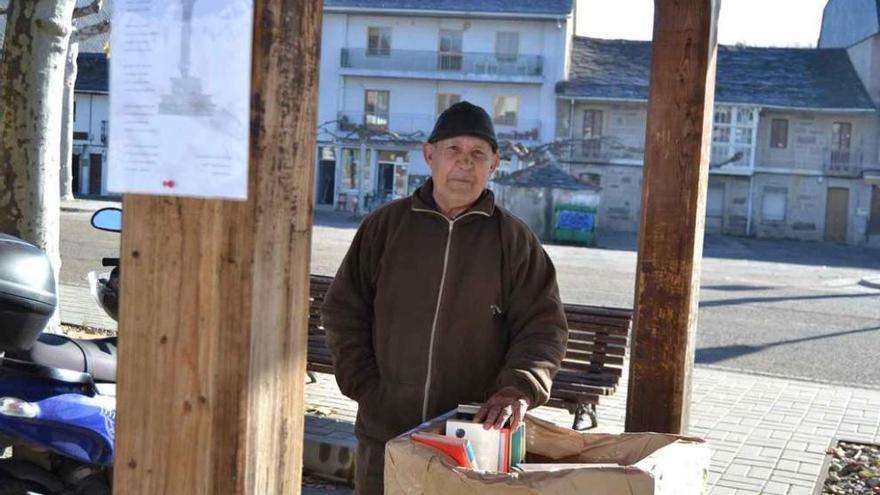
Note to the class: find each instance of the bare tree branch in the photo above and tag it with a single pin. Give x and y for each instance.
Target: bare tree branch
(92, 8)
(90, 31)
(362, 133)
(3, 11)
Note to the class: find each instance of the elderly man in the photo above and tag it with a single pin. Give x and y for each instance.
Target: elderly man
(443, 298)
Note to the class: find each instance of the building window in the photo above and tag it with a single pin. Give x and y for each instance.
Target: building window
(773, 204)
(376, 103)
(74, 110)
(592, 136)
(378, 41)
(104, 130)
(506, 46)
(505, 110)
(779, 133)
(450, 50)
(446, 100)
(733, 136)
(841, 135)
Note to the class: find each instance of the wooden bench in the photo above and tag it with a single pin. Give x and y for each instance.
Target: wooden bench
(591, 369)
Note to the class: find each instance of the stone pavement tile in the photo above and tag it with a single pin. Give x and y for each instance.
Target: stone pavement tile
(776, 488)
(818, 448)
(722, 490)
(739, 483)
(796, 446)
(867, 429)
(78, 308)
(810, 469)
(725, 446)
(722, 456)
(759, 473)
(765, 443)
(750, 421)
(800, 490)
(744, 461)
(770, 452)
(736, 470)
(794, 479)
(735, 437)
(788, 465)
(801, 456)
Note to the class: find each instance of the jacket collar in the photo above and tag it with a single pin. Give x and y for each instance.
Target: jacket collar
(423, 199)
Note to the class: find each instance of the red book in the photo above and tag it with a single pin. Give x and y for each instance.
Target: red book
(504, 451)
(459, 449)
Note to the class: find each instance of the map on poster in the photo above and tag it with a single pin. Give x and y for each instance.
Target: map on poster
(180, 97)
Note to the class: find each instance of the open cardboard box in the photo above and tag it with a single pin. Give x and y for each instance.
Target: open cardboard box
(640, 464)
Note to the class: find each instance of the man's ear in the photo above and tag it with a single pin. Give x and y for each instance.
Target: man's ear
(428, 154)
(496, 160)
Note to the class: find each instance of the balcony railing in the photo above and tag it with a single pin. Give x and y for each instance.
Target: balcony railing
(401, 123)
(845, 163)
(725, 157)
(606, 149)
(408, 124)
(475, 64)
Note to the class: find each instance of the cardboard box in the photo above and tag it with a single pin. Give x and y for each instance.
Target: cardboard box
(630, 464)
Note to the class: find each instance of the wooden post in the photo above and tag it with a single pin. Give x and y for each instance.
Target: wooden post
(679, 128)
(215, 298)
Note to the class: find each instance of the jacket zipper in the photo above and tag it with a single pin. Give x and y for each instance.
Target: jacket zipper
(439, 299)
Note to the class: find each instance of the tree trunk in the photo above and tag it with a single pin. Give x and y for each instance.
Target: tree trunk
(31, 83)
(67, 122)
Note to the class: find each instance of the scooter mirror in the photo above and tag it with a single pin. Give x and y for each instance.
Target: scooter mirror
(109, 219)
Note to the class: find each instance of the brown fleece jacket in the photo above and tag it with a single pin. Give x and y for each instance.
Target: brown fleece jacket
(426, 313)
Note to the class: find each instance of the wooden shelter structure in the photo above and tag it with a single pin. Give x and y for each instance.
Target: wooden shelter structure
(215, 294)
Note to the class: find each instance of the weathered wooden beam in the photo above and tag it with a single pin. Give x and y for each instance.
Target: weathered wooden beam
(677, 143)
(214, 310)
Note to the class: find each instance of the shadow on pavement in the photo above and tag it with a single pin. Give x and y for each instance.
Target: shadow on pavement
(713, 355)
(756, 300)
(768, 250)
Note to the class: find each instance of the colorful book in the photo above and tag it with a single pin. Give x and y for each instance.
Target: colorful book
(504, 450)
(484, 442)
(518, 446)
(495, 450)
(459, 449)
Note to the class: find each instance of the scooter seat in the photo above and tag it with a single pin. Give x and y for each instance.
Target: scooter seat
(96, 357)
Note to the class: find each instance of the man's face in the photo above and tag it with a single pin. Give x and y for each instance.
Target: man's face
(461, 167)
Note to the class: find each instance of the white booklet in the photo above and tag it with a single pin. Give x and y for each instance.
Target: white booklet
(484, 442)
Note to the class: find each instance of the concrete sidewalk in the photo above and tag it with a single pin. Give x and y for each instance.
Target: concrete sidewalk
(768, 434)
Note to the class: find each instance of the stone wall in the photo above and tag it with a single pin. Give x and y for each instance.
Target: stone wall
(620, 195)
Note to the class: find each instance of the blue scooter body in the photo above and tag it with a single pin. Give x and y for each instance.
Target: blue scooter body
(70, 419)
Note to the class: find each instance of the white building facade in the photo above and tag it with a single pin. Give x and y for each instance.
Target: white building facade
(387, 73)
(91, 113)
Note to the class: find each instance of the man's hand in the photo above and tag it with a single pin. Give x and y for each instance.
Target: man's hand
(507, 403)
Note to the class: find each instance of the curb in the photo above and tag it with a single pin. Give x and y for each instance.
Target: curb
(88, 206)
(328, 456)
(872, 282)
(76, 209)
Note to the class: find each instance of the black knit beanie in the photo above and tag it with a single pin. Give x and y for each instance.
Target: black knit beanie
(464, 119)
